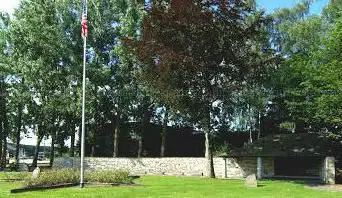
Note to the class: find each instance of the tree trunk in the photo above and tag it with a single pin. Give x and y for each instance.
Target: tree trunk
(17, 147)
(60, 149)
(250, 123)
(4, 150)
(116, 136)
(140, 146)
(93, 144)
(36, 151)
(92, 153)
(145, 121)
(209, 156)
(72, 143)
(259, 125)
(163, 134)
(19, 124)
(1, 139)
(52, 151)
(73, 131)
(5, 135)
(142, 131)
(208, 152)
(2, 102)
(92, 141)
(3, 122)
(140, 141)
(79, 139)
(144, 124)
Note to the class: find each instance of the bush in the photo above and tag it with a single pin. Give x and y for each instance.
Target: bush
(219, 150)
(64, 176)
(108, 177)
(54, 177)
(15, 175)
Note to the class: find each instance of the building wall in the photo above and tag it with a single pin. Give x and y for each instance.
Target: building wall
(224, 167)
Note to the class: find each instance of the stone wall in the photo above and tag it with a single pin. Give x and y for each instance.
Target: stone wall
(224, 167)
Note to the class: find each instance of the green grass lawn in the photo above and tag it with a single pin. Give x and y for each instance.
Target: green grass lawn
(153, 186)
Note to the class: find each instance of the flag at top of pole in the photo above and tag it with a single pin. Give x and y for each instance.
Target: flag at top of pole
(84, 34)
(84, 26)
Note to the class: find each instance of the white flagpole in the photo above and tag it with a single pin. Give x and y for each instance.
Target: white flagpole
(83, 99)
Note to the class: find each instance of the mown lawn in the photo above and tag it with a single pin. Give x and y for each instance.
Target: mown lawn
(182, 187)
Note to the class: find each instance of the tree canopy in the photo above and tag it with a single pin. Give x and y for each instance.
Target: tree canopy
(216, 67)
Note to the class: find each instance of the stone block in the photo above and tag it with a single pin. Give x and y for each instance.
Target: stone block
(36, 173)
(251, 181)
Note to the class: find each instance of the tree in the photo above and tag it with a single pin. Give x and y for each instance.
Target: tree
(323, 83)
(296, 35)
(123, 88)
(332, 11)
(110, 68)
(46, 59)
(4, 73)
(309, 80)
(179, 58)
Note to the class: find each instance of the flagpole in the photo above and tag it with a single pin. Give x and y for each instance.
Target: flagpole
(83, 100)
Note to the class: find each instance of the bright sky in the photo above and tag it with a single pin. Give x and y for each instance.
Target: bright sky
(269, 5)
(8, 5)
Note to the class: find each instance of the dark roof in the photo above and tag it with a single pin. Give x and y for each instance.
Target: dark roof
(308, 144)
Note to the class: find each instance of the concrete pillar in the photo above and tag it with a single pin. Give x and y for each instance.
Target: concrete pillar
(225, 168)
(260, 168)
(327, 173)
(329, 170)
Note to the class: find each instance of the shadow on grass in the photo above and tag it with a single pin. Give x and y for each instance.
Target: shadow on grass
(301, 181)
(134, 177)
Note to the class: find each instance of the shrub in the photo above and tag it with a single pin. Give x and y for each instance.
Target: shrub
(63, 176)
(54, 177)
(222, 149)
(15, 175)
(108, 176)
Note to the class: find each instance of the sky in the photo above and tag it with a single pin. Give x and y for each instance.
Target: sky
(271, 5)
(268, 5)
(8, 5)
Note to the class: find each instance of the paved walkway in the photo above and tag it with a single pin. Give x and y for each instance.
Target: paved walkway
(332, 188)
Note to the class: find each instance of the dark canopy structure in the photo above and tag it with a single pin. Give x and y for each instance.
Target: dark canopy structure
(306, 144)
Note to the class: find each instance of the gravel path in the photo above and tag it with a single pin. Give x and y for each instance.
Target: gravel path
(331, 188)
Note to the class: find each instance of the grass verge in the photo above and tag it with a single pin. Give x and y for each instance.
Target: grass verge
(180, 187)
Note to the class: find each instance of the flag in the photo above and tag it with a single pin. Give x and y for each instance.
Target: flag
(84, 26)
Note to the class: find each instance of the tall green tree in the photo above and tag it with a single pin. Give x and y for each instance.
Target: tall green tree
(124, 67)
(295, 35)
(110, 68)
(308, 80)
(5, 72)
(45, 47)
(182, 47)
